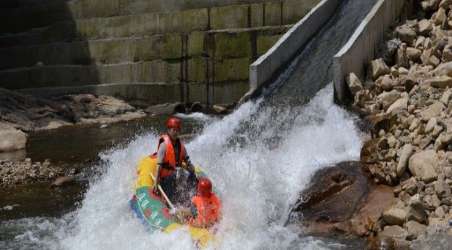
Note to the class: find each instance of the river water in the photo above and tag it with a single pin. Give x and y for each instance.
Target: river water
(259, 157)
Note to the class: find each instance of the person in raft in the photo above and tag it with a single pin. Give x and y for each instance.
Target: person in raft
(205, 209)
(173, 164)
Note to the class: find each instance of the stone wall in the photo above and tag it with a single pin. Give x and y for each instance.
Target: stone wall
(184, 50)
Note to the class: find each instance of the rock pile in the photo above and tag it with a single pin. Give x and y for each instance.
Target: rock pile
(29, 113)
(407, 100)
(25, 172)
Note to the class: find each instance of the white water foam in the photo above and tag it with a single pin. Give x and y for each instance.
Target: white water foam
(257, 178)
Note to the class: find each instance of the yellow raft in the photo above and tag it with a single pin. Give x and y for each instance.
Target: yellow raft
(152, 210)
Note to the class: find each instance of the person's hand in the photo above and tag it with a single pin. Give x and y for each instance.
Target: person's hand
(155, 188)
(182, 214)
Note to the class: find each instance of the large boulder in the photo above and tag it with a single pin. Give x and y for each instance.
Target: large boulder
(12, 139)
(424, 164)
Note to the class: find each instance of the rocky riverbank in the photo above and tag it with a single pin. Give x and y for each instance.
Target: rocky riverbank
(21, 114)
(25, 172)
(406, 99)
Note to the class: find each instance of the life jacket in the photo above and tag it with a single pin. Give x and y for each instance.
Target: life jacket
(208, 210)
(169, 161)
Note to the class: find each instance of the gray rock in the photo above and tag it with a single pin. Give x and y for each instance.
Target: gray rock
(394, 216)
(424, 164)
(166, 108)
(406, 34)
(424, 27)
(442, 189)
(446, 96)
(406, 152)
(431, 202)
(430, 125)
(447, 53)
(439, 212)
(416, 210)
(404, 55)
(440, 16)
(433, 110)
(429, 5)
(385, 82)
(443, 141)
(388, 98)
(398, 106)
(414, 229)
(12, 139)
(378, 68)
(445, 4)
(354, 83)
(394, 232)
(437, 130)
(413, 54)
(410, 186)
(444, 69)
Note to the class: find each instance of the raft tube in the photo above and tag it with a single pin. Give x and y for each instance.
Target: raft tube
(151, 209)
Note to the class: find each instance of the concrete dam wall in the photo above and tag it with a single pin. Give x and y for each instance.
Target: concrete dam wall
(150, 51)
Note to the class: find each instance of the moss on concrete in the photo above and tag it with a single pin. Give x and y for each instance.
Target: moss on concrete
(235, 16)
(264, 43)
(272, 14)
(257, 15)
(171, 46)
(294, 10)
(232, 69)
(197, 68)
(232, 45)
(196, 43)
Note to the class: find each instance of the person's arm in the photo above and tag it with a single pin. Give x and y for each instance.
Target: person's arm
(188, 165)
(160, 156)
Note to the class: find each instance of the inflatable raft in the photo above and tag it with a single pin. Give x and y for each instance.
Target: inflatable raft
(151, 208)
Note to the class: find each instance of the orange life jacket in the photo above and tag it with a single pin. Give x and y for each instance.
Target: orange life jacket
(208, 210)
(169, 161)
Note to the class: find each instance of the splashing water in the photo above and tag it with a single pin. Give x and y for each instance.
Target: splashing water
(257, 178)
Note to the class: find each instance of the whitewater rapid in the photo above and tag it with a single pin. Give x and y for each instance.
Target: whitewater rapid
(259, 159)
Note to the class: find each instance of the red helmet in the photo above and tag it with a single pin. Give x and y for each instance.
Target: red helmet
(173, 122)
(204, 186)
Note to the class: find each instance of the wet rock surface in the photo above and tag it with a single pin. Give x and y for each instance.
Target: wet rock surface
(332, 199)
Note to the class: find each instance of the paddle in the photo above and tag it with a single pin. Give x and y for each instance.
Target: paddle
(173, 209)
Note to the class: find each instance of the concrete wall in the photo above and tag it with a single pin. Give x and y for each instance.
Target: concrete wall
(191, 54)
(263, 69)
(362, 46)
